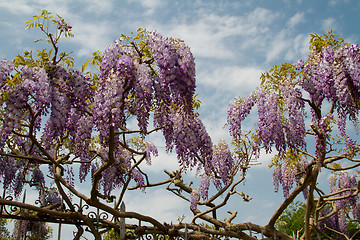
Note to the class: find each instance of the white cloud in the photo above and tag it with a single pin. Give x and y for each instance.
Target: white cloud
(91, 36)
(232, 79)
(17, 7)
(208, 34)
(336, 2)
(287, 47)
(150, 6)
(328, 24)
(159, 204)
(29, 8)
(97, 7)
(296, 19)
(278, 45)
(205, 40)
(299, 47)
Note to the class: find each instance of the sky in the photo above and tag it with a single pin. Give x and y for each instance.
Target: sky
(233, 42)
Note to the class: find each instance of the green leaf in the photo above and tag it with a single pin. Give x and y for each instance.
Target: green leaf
(84, 66)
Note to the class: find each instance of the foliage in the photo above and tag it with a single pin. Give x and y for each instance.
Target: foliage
(291, 221)
(4, 233)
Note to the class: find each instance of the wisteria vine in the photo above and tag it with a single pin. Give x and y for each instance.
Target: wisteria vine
(327, 86)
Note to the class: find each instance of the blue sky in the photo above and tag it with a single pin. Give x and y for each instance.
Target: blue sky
(233, 43)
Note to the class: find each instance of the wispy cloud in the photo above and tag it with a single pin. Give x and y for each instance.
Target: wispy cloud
(208, 34)
(336, 2)
(91, 36)
(149, 6)
(17, 7)
(328, 24)
(296, 19)
(96, 7)
(287, 47)
(159, 204)
(232, 78)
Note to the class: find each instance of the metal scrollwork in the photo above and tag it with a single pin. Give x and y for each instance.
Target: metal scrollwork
(92, 215)
(130, 235)
(11, 210)
(150, 236)
(154, 236)
(38, 202)
(96, 215)
(82, 207)
(104, 216)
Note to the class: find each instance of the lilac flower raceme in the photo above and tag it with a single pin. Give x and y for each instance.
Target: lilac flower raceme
(313, 84)
(8, 169)
(284, 175)
(51, 197)
(6, 67)
(204, 187)
(342, 223)
(191, 140)
(330, 222)
(238, 111)
(143, 88)
(111, 55)
(276, 179)
(341, 182)
(138, 178)
(270, 128)
(124, 66)
(18, 184)
(150, 149)
(176, 67)
(38, 177)
(295, 108)
(115, 176)
(194, 199)
(289, 172)
(334, 75)
(222, 161)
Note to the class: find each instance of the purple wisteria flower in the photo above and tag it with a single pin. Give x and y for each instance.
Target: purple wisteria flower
(191, 140)
(194, 199)
(238, 111)
(138, 178)
(222, 161)
(176, 67)
(289, 172)
(150, 149)
(294, 126)
(6, 67)
(270, 128)
(204, 187)
(62, 26)
(334, 75)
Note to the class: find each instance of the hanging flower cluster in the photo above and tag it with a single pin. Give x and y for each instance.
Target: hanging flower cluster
(273, 109)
